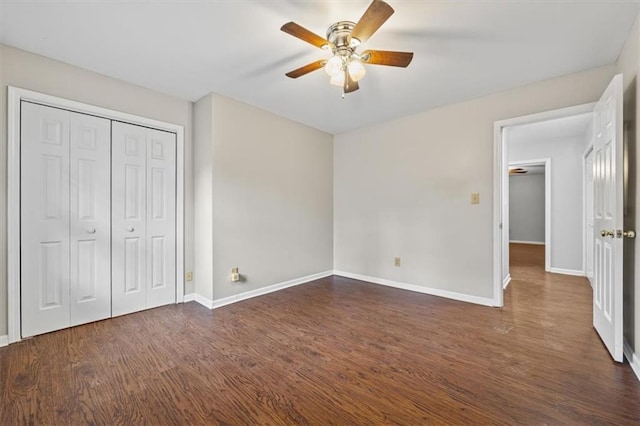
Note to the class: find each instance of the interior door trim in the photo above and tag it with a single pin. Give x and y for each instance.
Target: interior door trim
(500, 171)
(15, 97)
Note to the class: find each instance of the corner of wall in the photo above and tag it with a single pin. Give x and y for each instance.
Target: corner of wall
(202, 196)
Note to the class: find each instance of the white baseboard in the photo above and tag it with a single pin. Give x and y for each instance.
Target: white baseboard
(506, 281)
(204, 301)
(537, 243)
(634, 362)
(218, 303)
(4, 341)
(419, 289)
(566, 272)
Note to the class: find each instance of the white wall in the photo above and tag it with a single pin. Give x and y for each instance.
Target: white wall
(566, 194)
(271, 194)
(526, 208)
(402, 188)
(28, 71)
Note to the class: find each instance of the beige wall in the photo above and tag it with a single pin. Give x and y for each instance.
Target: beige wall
(272, 198)
(628, 64)
(402, 188)
(40, 74)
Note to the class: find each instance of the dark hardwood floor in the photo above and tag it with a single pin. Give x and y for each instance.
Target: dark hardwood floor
(335, 351)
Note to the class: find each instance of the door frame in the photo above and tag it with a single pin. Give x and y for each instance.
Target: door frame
(14, 98)
(546, 162)
(501, 172)
(588, 151)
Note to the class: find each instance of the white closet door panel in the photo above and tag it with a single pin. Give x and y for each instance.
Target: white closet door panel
(161, 218)
(44, 199)
(90, 225)
(129, 270)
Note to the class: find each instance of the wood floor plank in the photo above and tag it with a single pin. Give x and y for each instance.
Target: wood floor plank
(335, 351)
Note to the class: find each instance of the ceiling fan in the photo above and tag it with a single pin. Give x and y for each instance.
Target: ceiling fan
(517, 171)
(345, 67)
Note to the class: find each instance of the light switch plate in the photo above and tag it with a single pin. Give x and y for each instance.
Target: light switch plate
(475, 198)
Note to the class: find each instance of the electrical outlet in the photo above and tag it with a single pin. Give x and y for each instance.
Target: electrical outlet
(188, 276)
(235, 275)
(396, 261)
(475, 198)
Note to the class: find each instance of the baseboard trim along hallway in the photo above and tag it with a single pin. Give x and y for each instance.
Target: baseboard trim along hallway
(563, 271)
(634, 362)
(506, 282)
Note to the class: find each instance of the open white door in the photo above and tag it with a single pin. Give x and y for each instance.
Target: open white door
(608, 187)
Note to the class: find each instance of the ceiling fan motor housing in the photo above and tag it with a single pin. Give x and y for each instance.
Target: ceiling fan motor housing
(339, 35)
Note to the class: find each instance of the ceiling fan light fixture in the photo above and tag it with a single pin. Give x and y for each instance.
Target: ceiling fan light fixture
(338, 79)
(334, 66)
(356, 70)
(343, 39)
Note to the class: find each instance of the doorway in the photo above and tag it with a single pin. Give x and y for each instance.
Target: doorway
(529, 194)
(527, 131)
(606, 117)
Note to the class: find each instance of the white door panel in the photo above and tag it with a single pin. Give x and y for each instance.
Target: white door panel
(98, 212)
(90, 225)
(44, 199)
(608, 223)
(144, 193)
(161, 218)
(128, 218)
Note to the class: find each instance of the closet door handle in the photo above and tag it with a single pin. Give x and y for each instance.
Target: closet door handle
(130, 229)
(91, 230)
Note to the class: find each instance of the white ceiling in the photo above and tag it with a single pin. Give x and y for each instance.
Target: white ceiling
(463, 49)
(559, 128)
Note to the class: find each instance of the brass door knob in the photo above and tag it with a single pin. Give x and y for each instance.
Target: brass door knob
(629, 234)
(605, 233)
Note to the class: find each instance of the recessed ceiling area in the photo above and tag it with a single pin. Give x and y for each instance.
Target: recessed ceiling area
(463, 49)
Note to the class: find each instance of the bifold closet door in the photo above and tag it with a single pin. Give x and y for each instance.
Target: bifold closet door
(143, 218)
(65, 219)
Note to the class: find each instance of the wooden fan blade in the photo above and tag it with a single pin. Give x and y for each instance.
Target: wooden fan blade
(304, 34)
(349, 84)
(306, 69)
(375, 15)
(386, 57)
